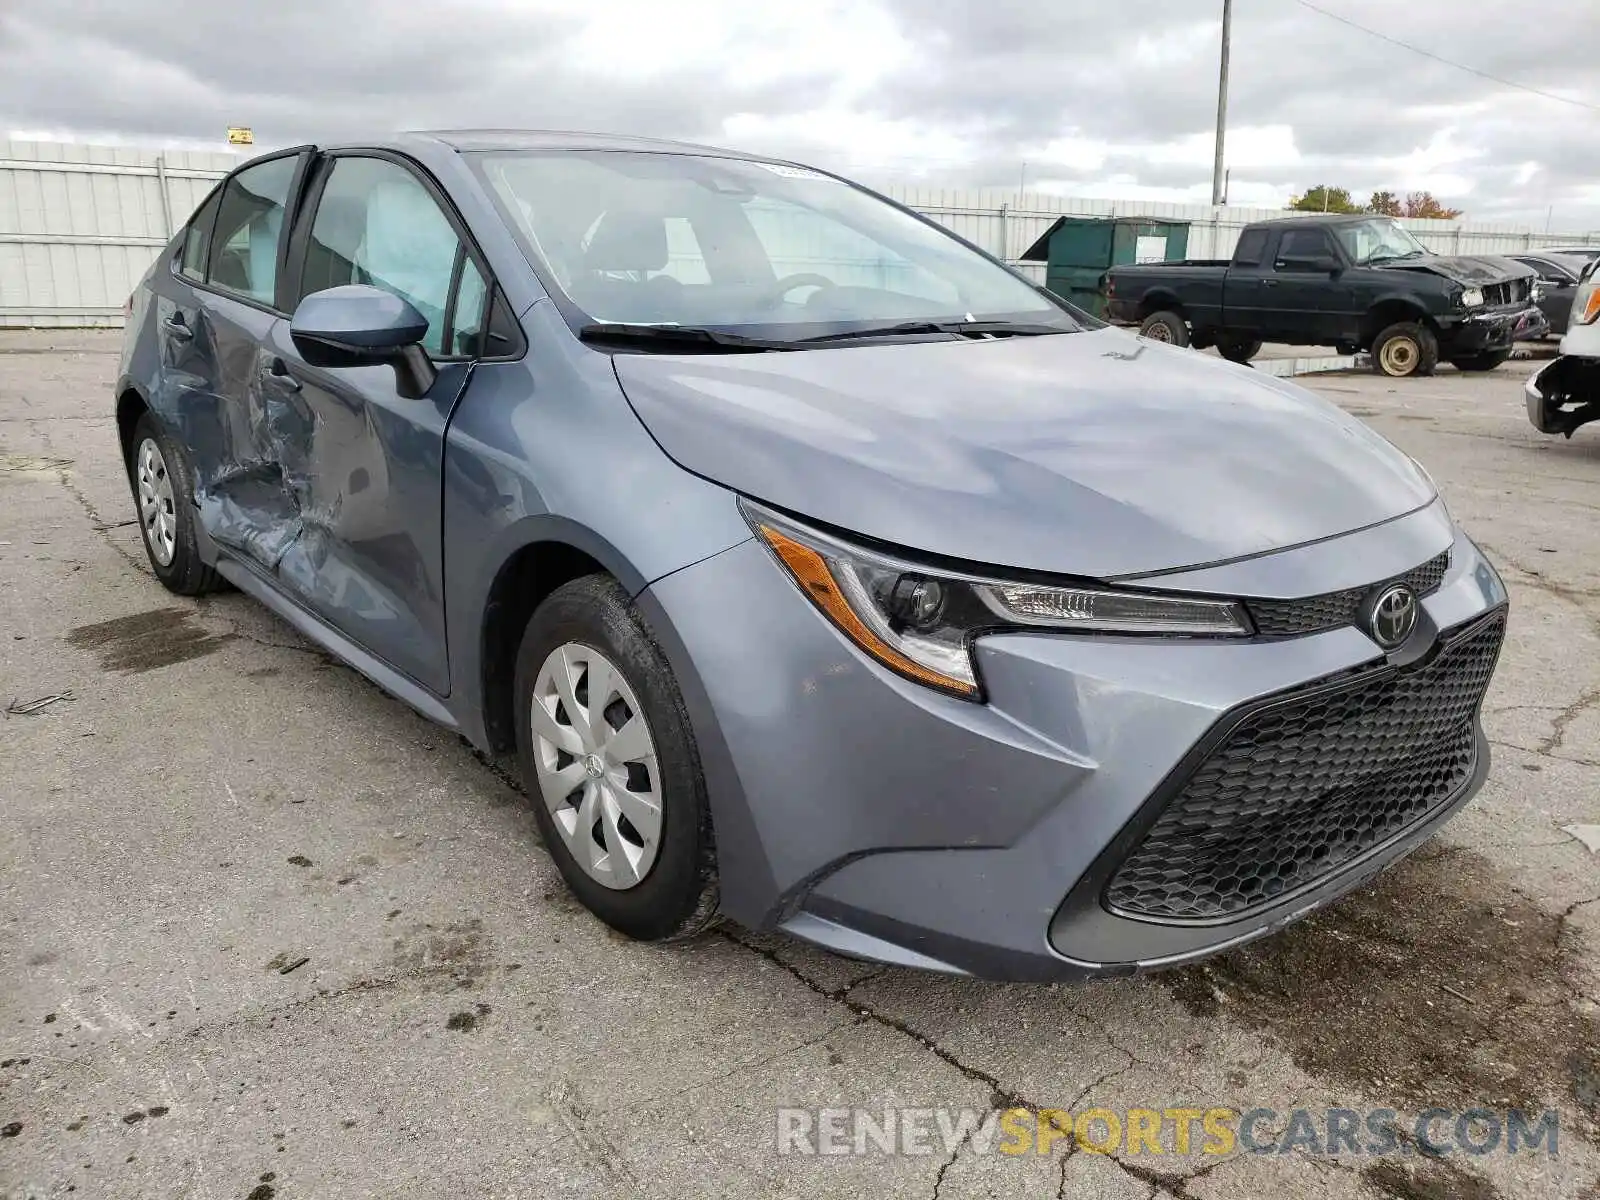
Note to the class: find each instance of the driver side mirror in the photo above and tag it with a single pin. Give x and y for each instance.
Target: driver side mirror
(357, 325)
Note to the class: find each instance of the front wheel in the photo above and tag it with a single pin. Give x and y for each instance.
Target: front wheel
(610, 764)
(1405, 348)
(1486, 360)
(1165, 326)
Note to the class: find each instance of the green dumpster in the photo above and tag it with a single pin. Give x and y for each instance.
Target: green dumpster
(1077, 251)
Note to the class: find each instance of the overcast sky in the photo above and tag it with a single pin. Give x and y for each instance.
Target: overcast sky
(1097, 98)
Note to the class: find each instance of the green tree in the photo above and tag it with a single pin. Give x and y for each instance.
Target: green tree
(1386, 204)
(1323, 198)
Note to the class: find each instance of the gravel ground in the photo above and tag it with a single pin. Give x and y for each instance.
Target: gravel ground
(265, 932)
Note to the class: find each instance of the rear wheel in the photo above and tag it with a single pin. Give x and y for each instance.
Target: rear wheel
(611, 766)
(1238, 349)
(1488, 360)
(1165, 326)
(164, 501)
(1405, 348)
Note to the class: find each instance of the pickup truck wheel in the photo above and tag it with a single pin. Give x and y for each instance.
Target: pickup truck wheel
(1237, 349)
(1165, 326)
(1486, 361)
(1405, 348)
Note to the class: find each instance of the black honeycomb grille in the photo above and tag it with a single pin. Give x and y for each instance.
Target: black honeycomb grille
(1300, 788)
(1291, 618)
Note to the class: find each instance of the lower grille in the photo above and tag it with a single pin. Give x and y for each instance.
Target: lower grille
(1293, 618)
(1309, 783)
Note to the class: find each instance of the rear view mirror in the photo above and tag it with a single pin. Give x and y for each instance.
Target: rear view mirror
(361, 326)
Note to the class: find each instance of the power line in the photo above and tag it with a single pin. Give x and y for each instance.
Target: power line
(1511, 83)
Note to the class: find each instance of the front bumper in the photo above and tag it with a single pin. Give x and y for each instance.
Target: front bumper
(1492, 330)
(868, 814)
(1564, 394)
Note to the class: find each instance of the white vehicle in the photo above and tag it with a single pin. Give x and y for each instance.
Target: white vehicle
(1566, 393)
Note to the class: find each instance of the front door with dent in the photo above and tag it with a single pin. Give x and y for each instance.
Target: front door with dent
(369, 558)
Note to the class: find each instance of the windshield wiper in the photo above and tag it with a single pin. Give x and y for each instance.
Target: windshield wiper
(679, 337)
(1377, 258)
(1011, 328)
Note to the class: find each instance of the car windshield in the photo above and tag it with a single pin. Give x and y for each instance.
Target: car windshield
(736, 245)
(1378, 240)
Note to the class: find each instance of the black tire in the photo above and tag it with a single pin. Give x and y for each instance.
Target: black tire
(186, 573)
(1238, 349)
(678, 895)
(1405, 348)
(1488, 360)
(1165, 326)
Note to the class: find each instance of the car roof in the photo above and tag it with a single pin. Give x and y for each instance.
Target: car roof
(1325, 218)
(469, 140)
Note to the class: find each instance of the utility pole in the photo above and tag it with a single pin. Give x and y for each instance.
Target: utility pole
(1222, 104)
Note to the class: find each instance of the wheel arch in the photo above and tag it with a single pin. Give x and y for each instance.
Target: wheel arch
(131, 405)
(1160, 300)
(553, 551)
(1389, 310)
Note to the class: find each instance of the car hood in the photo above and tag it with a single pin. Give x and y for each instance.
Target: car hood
(1473, 270)
(1092, 454)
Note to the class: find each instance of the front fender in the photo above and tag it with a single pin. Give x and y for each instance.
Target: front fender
(547, 449)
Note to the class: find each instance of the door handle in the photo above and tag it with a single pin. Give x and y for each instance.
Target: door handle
(278, 373)
(1269, 283)
(176, 329)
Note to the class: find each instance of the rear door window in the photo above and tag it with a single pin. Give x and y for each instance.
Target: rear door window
(1252, 248)
(249, 230)
(197, 239)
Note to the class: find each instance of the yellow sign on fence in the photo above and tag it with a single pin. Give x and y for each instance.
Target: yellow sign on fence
(240, 135)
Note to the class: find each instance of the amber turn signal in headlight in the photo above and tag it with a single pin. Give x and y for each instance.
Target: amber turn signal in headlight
(921, 622)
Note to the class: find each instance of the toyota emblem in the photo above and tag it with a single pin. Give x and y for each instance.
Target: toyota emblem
(1392, 615)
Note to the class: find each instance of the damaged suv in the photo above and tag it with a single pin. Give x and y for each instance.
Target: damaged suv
(821, 571)
(1566, 393)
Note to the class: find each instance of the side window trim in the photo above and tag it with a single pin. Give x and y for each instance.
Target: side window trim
(305, 153)
(320, 169)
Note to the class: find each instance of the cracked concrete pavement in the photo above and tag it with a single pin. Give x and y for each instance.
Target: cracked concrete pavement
(265, 932)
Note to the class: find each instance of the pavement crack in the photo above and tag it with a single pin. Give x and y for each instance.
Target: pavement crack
(98, 523)
(1000, 1096)
(1564, 718)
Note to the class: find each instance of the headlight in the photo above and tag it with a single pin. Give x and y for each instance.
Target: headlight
(1472, 298)
(921, 621)
(1536, 292)
(1586, 307)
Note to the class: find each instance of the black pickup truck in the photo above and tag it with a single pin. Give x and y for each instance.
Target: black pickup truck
(1356, 283)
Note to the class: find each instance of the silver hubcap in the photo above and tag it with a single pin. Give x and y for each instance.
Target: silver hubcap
(596, 765)
(1159, 333)
(156, 513)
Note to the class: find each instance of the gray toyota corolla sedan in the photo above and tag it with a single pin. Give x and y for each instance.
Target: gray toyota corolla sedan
(823, 572)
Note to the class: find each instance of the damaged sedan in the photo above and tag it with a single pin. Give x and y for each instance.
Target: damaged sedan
(1565, 394)
(822, 572)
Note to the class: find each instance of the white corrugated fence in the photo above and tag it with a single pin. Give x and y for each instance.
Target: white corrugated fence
(80, 224)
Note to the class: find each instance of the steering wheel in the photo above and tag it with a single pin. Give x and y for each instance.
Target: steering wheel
(773, 296)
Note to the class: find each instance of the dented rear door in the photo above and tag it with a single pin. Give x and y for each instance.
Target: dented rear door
(235, 417)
